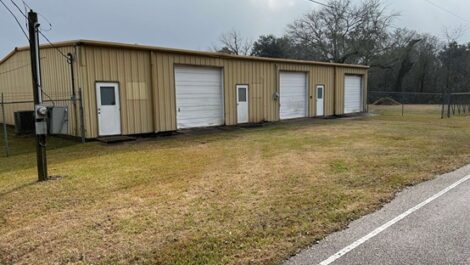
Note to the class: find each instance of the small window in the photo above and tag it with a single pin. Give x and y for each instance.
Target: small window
(320, 92)
(242, 94)
(108, 98)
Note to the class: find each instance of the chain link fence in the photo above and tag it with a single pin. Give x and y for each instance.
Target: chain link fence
(450, 104)
(457, 104)
(9, 104)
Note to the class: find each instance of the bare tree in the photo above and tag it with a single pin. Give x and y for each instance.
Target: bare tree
(427, 63)
(452, 35)
(406, 64)
(234, 43)
(341, 32)
(455, 59)
(410, 63)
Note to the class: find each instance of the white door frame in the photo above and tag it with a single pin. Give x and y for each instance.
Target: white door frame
(320, 111)
(243, 106)
(111, 114)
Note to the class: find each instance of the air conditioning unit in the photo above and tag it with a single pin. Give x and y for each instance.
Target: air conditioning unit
(24, 122)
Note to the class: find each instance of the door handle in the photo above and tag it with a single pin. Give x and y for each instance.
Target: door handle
(179, 110)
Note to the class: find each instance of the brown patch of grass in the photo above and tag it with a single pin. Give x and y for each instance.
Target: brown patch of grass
(244, 196)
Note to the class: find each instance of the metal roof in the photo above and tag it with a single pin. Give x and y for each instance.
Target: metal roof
(118, 45)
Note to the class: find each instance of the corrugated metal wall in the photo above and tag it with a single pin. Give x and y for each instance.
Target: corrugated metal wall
(340, 73)
(147, 84)
(317, 75)
(16, 82)
(260, 77)
(129, 68)
(154, 72)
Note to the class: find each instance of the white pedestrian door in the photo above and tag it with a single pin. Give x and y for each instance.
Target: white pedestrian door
(320, 100)
(109, 115)
(242, 104)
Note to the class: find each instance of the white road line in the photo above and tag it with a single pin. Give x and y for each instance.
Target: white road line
(380, 229)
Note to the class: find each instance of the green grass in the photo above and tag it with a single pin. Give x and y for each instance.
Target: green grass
(241, 196)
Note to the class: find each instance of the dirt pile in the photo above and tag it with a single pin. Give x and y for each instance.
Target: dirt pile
(386, 101)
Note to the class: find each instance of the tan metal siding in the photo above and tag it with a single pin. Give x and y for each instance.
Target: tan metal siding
(340, 73)
(317, 75)
(147, 83)
(323, 76)
(16, 82)
(131, 69)
(164, 86)
(262, 78)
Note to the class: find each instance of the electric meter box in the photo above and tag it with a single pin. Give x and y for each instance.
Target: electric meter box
(58, 120)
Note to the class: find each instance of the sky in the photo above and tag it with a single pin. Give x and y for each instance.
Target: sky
(197, 24)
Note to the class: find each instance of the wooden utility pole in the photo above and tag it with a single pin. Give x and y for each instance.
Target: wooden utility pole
(40, 111)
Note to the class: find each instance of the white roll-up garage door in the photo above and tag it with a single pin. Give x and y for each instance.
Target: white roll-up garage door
(199, 97)
(293, 95)
(352, 94)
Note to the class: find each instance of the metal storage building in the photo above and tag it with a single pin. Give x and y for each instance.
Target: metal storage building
(134, 89)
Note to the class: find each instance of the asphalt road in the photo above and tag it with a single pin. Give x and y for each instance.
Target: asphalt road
(434, 233)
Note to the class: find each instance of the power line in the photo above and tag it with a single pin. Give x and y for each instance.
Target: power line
(19, 9)
(40, 32)
(447, 11)
(26, 11)
(53, 46)
(14, 69)
(26, 6)
(16, 19)
(18, 68)
(48, 22)
(320, 3)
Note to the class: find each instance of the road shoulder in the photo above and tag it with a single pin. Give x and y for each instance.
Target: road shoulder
(404, 201)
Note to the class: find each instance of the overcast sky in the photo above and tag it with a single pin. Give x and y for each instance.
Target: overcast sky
(196, 24)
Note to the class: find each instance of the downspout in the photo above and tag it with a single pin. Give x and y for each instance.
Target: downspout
(276, 95)
(79, 95)
(366, 91)
(71, 61)
(335, 90)
(153, 91)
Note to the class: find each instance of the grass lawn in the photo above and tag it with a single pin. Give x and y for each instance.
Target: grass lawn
(238, 196)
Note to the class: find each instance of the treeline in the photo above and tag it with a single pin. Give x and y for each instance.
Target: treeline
(400, 59)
